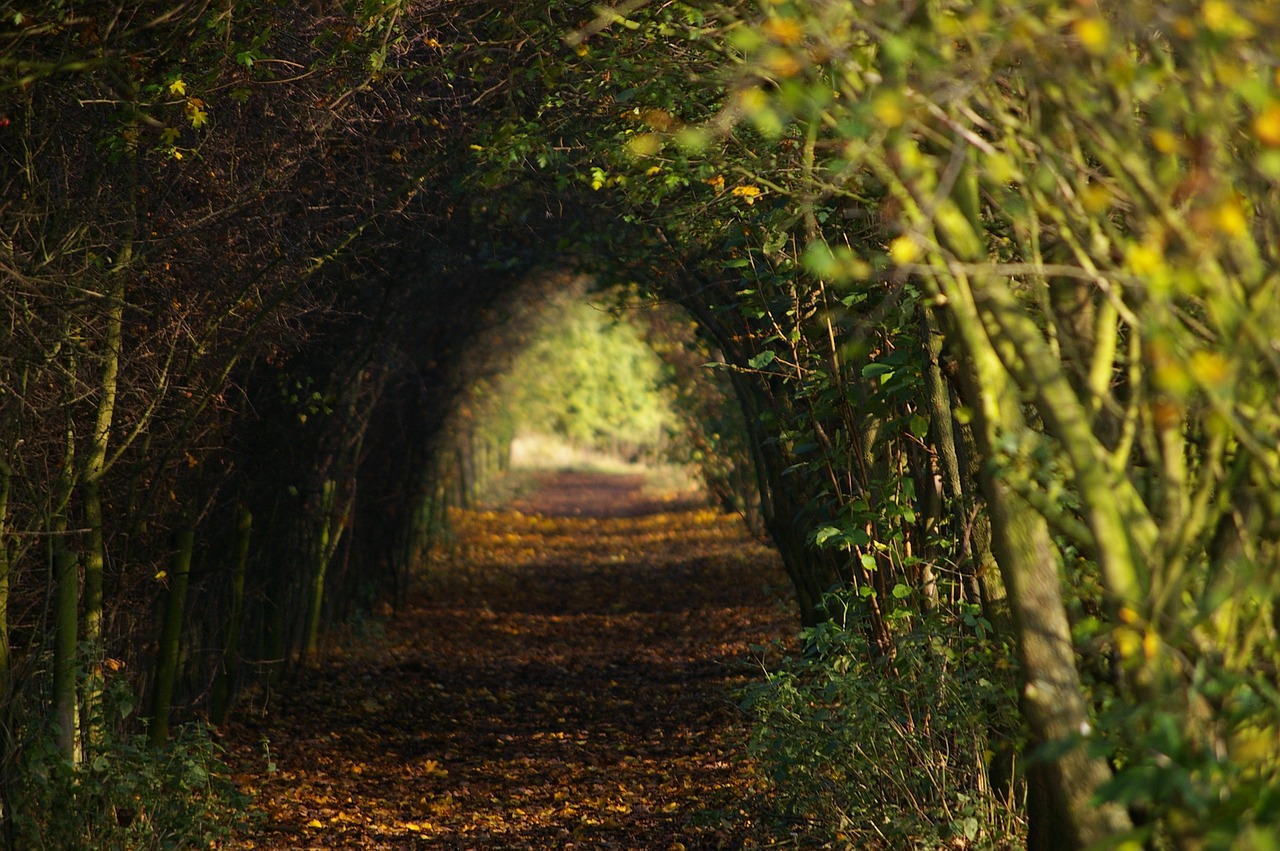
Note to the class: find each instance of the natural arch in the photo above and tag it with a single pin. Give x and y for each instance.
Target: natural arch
(994, 289)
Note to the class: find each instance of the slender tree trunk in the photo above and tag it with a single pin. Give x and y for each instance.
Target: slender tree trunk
(320, 567)
(91, 489)
(64, 579)
(776, 509)
(224, 683)
(170, 639)
(6, 479)
(66, 602)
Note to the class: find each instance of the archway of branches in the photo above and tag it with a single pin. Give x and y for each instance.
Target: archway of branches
(1003, 353)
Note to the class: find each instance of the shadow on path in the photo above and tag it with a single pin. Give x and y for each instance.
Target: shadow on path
(558, 682)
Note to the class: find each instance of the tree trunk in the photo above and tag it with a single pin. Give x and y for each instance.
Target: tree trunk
(1061, 812)
(325, 546)
(6, 478)
(170, 639)
(91, 490)
(224, 684)
(66, 581)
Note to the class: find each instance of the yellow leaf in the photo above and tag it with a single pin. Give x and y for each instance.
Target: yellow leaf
(1165, 141)
(177, 87)
(315, 823)
(1267, 126)
(889, 109)
(1093, 34)
(1209, 368)
(1150, 645)
(161, 575)
(1220, 17)
(1128, 642)
(198, 117)
(784, 30)
(1095, 198)
(904, 250)
(782, 63)
(1145, 258)
(1229, 218)
(747, 193)
(644, 144)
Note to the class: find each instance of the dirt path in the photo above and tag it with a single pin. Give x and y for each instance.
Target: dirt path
(561, 682)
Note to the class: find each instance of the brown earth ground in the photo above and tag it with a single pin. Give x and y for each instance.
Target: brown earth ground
(563, 678)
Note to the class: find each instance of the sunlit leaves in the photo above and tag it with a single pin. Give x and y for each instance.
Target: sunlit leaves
(195, 112)
(1266, 126)
(837, 263)
(1093, 33)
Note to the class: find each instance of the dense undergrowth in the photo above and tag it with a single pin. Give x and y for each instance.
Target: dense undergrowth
(896, 753)
(130, 794)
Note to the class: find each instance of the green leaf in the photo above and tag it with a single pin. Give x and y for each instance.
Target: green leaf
(901, 591)
(763, 359)
(825, 534)
(875, 370)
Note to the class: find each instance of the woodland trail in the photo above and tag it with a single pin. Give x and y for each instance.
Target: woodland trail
(564, 679)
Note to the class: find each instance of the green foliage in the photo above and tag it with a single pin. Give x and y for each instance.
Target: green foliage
(893, 754)
(1202, 763)
(590, 378)
(1086, 195)
(127, 795)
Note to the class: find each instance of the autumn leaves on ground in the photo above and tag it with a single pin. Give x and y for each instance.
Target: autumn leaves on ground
(563, 678)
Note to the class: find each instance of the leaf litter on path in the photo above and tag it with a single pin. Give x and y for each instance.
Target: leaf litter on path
(558, 680)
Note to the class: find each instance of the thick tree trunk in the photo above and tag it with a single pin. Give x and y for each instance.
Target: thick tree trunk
(1062, 812)
(778, 511)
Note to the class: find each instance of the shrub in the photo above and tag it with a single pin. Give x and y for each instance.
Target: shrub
(893, 753)
(127, 794)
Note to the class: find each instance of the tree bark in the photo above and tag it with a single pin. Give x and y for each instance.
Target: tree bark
(325, 546)
(170, 639)
(1061, 810)
(66, 582)
(224, 683)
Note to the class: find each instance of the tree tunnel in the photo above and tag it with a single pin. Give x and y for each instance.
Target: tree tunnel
(969, 308)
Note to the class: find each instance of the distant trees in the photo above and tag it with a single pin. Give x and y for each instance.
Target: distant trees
(589, 379)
